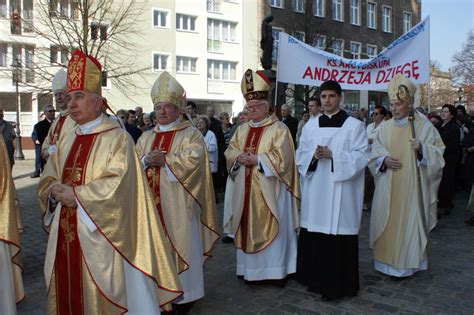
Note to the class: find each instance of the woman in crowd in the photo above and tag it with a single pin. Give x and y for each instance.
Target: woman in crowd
(450, 134)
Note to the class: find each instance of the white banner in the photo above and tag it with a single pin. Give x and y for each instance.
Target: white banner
(300, 63)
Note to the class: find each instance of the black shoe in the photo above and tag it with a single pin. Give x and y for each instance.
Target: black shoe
(35, 176)
(227, 239)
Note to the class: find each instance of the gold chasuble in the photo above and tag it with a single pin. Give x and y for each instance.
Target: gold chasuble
(86, 267)
(10, 226)
(178, 201)
(255, 196)
(397, 233)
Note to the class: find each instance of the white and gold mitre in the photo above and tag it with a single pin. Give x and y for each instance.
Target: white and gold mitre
(59, 82)
(254, 85)
(402, 89)
(167, 89)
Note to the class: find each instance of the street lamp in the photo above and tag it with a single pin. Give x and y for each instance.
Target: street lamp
(16, 78)
(460, 92)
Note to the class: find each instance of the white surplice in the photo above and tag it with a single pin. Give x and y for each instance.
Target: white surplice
(332, 199)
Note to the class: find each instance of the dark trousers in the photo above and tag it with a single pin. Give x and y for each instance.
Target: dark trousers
(39, 163)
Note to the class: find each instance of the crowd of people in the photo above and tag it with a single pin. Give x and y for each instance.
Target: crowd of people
(129, 200)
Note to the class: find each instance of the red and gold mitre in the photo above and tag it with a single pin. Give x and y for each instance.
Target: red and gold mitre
(402, 89)
(84, 73)
(167, 89)
(254, 85)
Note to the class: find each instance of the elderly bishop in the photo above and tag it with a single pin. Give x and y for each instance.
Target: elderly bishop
(404, 207)
(260, 161)
(107, 250)
(63, 123)
(176, 164)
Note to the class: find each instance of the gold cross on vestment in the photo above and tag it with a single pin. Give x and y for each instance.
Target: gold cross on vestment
(252, 148)
(74, 171)
(161, 144)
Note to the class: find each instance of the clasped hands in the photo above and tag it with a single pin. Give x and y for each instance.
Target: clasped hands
(322, 152)
(64, 194)
(155, 158)
(247, 159)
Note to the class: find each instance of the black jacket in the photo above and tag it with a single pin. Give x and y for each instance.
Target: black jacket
(292, 124)
(40, 131)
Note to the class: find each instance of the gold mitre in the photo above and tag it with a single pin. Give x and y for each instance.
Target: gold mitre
(59, 82)
(84, 73)
(167, 89)
(254, 85)
(402, 89)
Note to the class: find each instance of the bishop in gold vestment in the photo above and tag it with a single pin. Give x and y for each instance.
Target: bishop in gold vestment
(107, 251)
(63, 123)
(260, 160)
(11, 284)
(403, 213)
(181, 183)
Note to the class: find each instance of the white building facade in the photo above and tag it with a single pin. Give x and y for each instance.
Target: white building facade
(206, 44)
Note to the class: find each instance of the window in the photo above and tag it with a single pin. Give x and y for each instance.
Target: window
(104, 78)
(355, 12)
(276, 3)
(3, 8)
(64, 8)
(371, 17)
(214, 6)
(220, 31)
(371, 51)
(160, 18)
(387, 19)
(16, 58)
(185, 64)
(185, 22)
(221, 70)
(318, 7)
(320, 42)
(300, 36)
(58, 56)
(337, 47)
(29, 63)
(337, 10)
(406, 21)
(297, 5)
(3, 54)
(27, 15)
(99, 31)
(276, 39)
(160, 62)
(355, 50)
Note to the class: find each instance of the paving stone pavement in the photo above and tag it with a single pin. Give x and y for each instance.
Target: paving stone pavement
(450, 291)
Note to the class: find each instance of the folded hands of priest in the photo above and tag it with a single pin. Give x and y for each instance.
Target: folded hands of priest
(64, 194)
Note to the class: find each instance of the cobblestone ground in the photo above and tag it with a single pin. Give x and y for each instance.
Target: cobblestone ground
(450, 291)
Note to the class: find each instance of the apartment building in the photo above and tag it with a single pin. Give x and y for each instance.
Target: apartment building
(205, 44)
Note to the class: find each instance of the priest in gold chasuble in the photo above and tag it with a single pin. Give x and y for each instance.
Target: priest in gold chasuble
(260, 161)
(403, 212)
(176, 164)
(11, 284)
(107, 251)
(63, 123)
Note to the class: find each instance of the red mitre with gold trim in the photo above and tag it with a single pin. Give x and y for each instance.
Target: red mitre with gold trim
(254, 85)
(84, 73)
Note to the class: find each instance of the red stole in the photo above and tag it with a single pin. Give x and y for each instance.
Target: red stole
(251, 146)
(58, 128)
(68, 252)
(162, 142)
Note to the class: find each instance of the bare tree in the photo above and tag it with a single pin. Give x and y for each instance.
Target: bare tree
(106, 29)
(463, 69)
